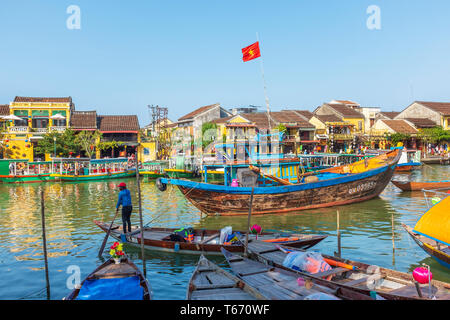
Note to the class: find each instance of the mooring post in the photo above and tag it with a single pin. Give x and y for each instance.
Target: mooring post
(248, 222)
(338, 235)
(141, 221)
(44, 242)
(393, 240)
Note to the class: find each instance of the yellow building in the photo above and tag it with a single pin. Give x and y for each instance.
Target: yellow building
(31, 118)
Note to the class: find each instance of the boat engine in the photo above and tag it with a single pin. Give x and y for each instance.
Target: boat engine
(160, 185)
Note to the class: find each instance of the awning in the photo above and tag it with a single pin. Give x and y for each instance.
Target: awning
(435, 223)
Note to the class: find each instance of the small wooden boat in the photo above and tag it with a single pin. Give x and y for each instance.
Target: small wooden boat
(355, 276)
(204, 241)
(210, 282)
(440, 252)
(279, 284)
(23, 171)
(153, 169)
(112, 281)
(431, 232)
(351, 183)
(409, 161)
(417, 186)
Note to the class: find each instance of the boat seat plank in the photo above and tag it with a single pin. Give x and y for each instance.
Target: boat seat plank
(209, 238)
(219, 279)
(362, 280)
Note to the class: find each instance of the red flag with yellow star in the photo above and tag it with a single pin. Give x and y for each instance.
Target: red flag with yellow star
(251, 52)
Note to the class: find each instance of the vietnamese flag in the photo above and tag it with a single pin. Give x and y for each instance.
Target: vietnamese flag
(251, 52)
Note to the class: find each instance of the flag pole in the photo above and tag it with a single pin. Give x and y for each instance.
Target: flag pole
(265, 87)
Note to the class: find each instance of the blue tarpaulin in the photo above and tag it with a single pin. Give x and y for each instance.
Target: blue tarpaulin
(112, 289)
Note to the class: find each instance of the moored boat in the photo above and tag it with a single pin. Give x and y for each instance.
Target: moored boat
(409, 161)
(203, 241)
(85, 169)
(111, 281)
(431, 232)
(417, 186)
(276, 283)
(356, 276)
(153, 169)
(356, 182)
(210, 282)
(23, 171)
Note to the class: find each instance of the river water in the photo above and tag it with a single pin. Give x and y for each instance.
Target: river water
(73, 240)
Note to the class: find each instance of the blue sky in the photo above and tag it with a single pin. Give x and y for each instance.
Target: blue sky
(186, 54)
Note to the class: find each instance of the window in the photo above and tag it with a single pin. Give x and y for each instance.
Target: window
(359, 125)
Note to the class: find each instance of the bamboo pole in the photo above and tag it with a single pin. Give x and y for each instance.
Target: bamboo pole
(248, 222)
(338, 235)
(141, 221)
(44, 243)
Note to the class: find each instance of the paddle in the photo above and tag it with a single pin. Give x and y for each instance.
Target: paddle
(107, 235)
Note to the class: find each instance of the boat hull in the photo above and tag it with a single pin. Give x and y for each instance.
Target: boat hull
(156, 243)
(441, 257)
(417, 186)
(407, 167)
(27, 178)
(114, 175)
(266, 200)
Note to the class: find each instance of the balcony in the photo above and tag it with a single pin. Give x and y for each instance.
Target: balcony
(18, 129)
(58, 129)
(346, 137)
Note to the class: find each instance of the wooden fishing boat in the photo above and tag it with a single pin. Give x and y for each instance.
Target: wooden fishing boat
(342, 185)
(204, 241)
(355, 276)
(112, 281)
(431, 232)
(280, 284)
(23, 171)
(417, 186)
(210, 282)
(85, 169)
(409, 161)
(440, 252)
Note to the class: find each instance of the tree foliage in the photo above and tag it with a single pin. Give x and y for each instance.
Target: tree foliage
(65, 143)
(87, 141)
(209, 133)
(434, 135)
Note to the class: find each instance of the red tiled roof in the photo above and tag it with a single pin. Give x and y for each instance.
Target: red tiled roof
(328, 118)
(346, 111)
(222, 120)
(118, 123)
(287, 117)
(260, 119)
(348, 102)
(43, 99)
(83, 120)
(198, 111)
(441, 107)
(4, 109)
(422, 122)
(390, 114)
(307, 114)
(400, 126)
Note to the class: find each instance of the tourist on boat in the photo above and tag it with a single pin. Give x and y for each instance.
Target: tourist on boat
(125, 201)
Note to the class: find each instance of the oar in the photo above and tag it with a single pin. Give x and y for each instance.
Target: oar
(107, 235)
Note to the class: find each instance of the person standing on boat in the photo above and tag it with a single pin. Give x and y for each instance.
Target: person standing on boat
(125, 201)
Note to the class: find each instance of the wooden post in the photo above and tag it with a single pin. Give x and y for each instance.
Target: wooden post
(141, 222)
(338, 236)
(393, 241)
(44, 242)
(248, 222)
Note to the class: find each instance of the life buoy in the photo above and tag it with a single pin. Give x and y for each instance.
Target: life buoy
(160, 185)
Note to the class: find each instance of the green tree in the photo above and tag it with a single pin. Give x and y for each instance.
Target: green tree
(434, 135)
(209, 133)
(87, 141)
(64, 143)
(398, 137)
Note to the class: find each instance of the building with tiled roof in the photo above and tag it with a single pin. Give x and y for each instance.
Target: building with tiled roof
(437, 112)
(4, 109)
(345, 113)
(44, 99)
(84, 120)
(394, 126)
